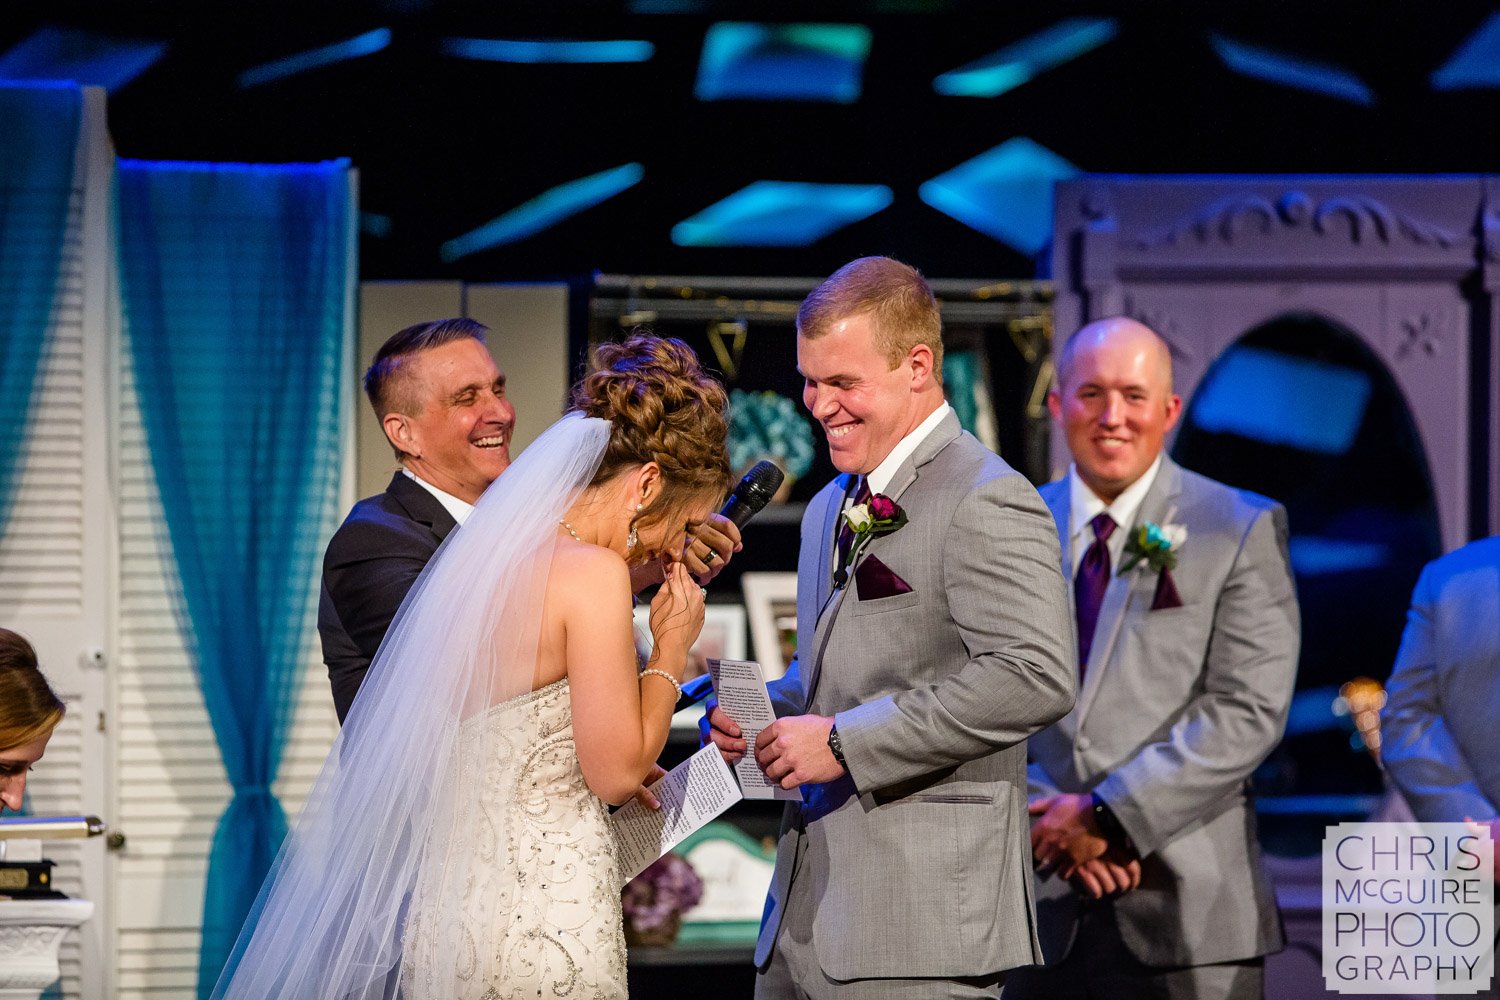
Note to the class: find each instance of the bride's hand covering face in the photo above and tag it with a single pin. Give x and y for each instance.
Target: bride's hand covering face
(677, 617)
(666, 467)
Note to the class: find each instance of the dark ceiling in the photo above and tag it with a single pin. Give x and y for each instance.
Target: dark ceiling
(444, 145)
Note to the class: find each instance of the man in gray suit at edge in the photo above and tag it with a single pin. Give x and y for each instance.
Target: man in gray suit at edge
(926, 657)
(1150, 878)
(1441, 723)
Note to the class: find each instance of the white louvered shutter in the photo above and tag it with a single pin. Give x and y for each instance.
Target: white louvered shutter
(55, 551)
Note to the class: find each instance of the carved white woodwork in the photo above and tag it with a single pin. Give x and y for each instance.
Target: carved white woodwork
(31, 932)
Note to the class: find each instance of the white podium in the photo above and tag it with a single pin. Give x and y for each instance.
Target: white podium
(31, 932)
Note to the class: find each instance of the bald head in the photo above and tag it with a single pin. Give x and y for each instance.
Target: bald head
(1114, 399)
(1118, 334)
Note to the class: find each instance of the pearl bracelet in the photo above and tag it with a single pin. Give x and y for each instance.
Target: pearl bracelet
(662, 673)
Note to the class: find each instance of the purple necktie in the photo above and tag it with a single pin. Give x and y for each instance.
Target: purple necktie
(1089, 586)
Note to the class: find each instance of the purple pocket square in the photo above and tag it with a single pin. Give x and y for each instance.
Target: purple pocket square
(875, 580)
(1166, 593)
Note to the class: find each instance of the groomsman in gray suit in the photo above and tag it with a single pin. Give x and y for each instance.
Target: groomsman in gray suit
(932, 642)
(1150, 876)
(1441, 724)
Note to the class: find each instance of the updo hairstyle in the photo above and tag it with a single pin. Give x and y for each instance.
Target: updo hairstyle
(29, 709)
(665, 409)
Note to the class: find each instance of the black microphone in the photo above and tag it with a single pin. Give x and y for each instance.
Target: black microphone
(753, 493)
(748, 499)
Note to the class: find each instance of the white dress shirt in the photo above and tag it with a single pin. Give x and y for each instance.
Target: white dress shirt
(1084, 506)
(886, 470)
(458, 509)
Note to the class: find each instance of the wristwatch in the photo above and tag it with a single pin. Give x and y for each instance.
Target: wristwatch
(1109, 823)
(836, 747)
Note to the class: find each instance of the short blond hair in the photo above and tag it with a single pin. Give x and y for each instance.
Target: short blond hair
(902, 309)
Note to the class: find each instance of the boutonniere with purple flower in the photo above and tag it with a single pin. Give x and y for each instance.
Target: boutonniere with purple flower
(880, 515)
(1157, 545)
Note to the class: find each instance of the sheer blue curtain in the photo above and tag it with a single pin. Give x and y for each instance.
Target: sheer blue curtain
(39, 122)
(235, 284)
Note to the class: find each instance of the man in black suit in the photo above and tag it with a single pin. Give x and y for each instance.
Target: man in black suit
(441, 400)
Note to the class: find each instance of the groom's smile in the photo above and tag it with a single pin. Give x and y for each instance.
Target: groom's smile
(864, 404)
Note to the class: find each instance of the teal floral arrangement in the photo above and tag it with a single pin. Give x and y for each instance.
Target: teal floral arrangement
(1157, 545)
(1154, 544)
(769, 425)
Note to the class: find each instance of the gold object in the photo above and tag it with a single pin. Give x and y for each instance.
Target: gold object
(1362, 699)
(50, 827)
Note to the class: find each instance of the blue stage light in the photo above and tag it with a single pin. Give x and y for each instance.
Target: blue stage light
(1292, 71)
(545, 210)
(1013, 65)
(1313, 555)
(1005, 193)
(783, 62)
(1283, 400)
(1312, 711)
(554, 50)
(1355, 806)
(83, 57)
(1477, 62)
(780, 214)
(363, 45)
(376, 225)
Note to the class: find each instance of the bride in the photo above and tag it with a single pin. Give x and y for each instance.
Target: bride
(456, 843)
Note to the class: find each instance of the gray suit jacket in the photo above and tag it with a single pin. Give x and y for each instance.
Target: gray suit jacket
(919, 859)
(1441, 723)
(1178, 707)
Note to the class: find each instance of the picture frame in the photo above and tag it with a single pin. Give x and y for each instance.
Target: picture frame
(771, 604)
(724, 637)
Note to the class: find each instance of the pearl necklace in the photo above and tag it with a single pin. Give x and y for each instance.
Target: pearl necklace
(565, 524)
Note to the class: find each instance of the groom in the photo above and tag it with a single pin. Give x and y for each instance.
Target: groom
(928, 653)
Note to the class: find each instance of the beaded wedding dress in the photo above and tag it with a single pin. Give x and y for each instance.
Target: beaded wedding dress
(450, 847)
(540, 915)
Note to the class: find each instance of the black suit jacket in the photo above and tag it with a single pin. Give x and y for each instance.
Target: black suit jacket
(371, 563)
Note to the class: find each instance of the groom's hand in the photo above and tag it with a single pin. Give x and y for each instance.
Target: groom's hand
(794, 751)
(723, 732)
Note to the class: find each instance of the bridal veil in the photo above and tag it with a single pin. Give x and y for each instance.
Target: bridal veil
(330, 918)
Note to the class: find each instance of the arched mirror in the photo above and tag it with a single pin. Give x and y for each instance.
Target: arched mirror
(1300, 410)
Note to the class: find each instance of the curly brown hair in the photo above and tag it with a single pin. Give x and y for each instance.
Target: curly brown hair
(29, 708)
(664, 408)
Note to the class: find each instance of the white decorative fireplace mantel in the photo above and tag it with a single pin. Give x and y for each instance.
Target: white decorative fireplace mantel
(31, 932)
